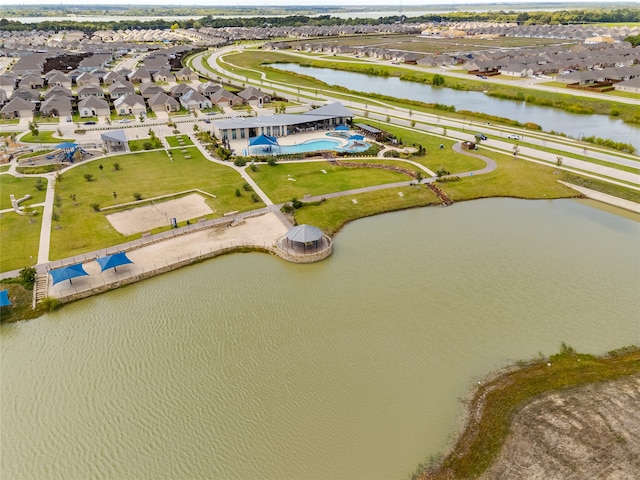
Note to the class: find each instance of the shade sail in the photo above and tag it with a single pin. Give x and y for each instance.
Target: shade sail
(263, 140)
(342, 127)
(67, 145)
(67, 273)
(304, 234)
(113, 261)
(4, 298)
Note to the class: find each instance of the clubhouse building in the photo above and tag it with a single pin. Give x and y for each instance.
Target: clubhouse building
(327, 117)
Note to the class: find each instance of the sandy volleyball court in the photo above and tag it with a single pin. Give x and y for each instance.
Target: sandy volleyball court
(158, 214)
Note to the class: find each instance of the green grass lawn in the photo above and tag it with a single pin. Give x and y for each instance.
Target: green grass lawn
(20, 237)
(309, 179)
(20, 187)
(512, 178)
(174, 140)
(137, 145)
(332, 214)
(150, 174)
(44, 137)
(4, 168)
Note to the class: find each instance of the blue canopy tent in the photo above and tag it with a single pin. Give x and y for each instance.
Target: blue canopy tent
(67, 273)
(4, 298)
(265, 141)
(113, 261)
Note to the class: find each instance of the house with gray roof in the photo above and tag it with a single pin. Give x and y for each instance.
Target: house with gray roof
(253, 96)
(58, 91)
(163, 75)
(120, 89)
(131, 104)
(178, 90)
(631, 86)
(161, 102)
(87, 78)
(18, 108)
(185, 74)
(90, 91)
(141, 75)
(56, 106)
(59, 79)
(94, 107)
(224, 97)
(193, 100)
(208, 88)
(148, 90)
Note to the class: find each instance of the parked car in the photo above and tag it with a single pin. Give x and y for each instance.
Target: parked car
(125, 120)
(513, 136)
(68, 119)
(90, 122)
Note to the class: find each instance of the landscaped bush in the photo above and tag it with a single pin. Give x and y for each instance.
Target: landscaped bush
(240, 162)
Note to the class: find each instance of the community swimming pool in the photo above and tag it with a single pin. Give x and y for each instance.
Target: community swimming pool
(314, 145)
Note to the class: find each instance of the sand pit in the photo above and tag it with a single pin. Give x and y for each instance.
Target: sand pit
(143, 219)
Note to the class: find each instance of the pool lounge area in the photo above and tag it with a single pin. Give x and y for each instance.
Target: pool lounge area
(343, 142)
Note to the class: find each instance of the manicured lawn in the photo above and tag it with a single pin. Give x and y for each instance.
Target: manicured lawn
(332, 214)
(512, 178)
(287, 180)
(137, 145)
(20, 187)
(173, 140)
(20, 239)
(44, 137)
(150, 174)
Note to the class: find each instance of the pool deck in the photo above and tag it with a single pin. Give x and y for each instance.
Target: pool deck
(240, 145)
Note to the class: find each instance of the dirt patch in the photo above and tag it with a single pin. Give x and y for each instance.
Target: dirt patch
(586, 432)
(143, 219)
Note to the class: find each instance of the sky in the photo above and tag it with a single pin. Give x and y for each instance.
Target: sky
(303, 3)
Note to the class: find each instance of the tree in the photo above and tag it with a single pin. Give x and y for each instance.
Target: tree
(57, 201)
(559, 161)
(88, 177)
(27, 277)
(238, 194)
(438, 80)
(55, 216)
(33, 127)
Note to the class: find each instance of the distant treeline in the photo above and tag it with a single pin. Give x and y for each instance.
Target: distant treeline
(622, 15)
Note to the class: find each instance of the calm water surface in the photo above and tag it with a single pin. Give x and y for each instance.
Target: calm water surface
(549, 119)
(250, 367)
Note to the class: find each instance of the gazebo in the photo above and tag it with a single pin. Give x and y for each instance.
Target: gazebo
(305, 236)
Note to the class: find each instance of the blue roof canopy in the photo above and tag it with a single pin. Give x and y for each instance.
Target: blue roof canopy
(67, 273)
(4, 298)
(342, 127)
(113, 261)
(263, 140)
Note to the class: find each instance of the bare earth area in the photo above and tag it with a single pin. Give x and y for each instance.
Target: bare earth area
(591, 432)
(143, 219)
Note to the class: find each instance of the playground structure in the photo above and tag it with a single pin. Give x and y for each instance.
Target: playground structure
(67, 152)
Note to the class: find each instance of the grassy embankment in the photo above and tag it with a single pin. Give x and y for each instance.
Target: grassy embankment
(498, 399)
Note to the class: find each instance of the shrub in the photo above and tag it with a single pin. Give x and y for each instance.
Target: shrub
(137, 196)
(272, 162)
(246, 187)
(49, 304)
(255, 198)
(116, 166)
(96, 207)
(27, 277)
(88, 177)
(147, 145)
(39, 184)
(238, 194)
(240, 162)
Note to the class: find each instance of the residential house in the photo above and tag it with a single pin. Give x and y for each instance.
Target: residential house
(225, 98)
(56, 106)
(253, 96)
(178, 90)
(141, 75)
(148, 90)
(18, 108)
(163, 75)
(93, 107)
(161, 102)
(58, 90)
(209, 88)
(90, 91)
(131, 104)
(31, 81)
(193, 100)
(185, 74)
(87, 78)
(26, 94)
(113, 77)
(120, 89)
(59, 79)
(631, 86)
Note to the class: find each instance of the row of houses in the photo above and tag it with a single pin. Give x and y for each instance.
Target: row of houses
(121, 97)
